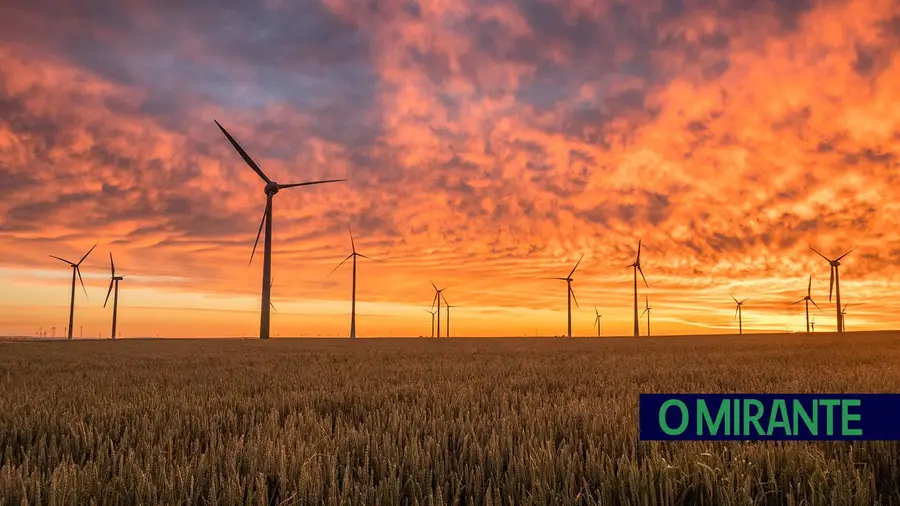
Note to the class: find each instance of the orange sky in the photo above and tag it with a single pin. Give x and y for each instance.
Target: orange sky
(488, 145)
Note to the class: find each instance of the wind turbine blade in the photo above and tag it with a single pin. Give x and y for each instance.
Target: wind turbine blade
(821, 255)
(809, 287)
(273, 306)
(732, 298)
(595, 322)
(845, 307)
(847, 253)
(642, 276)
(82, 282)
(799, 301)
(63, 259)
(445, 300)
(244, 154)
(434, 300)
(308, 183)
(576, 265)
(573, 296)
(817, 306)
(352, 244)
(108, 292)
(745, 300)
(369, 258)
(831, 284)
(88, 253)
(735, 314)
(638, 259)
(596, 311)
(643, 313)
(112, 266)
(261, 223)
(646, 301)
(435, 286)
(340, 264)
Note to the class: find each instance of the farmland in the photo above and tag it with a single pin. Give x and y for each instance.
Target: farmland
(416, 421)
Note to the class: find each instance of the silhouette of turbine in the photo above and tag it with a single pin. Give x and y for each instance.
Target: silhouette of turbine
(813, 323)
(835, 283)
(438, 295)
(432, 313)
(637, 268)
(113, 282)
(570, 295)
(352, 255)
(739, 314)
(808, 299)
(271, 189)
(76, 269)
(844, 313)
(647, 310)
(448, 306)
(597, 320)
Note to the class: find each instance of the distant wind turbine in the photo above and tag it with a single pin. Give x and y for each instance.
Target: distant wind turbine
(271, 189)
(570, 293)
(739, 313)
(647, 311)
(597, 320)
(113, 282)
(432, 313)
(813, 323)
(637, 268)
(843, 314)
(835, 283)
(448, 317)
(271, 304)
(352, 255)
(438, 295)
(76, 269)
(808, 299)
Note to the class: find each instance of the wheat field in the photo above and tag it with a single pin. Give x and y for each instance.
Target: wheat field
(422, 422)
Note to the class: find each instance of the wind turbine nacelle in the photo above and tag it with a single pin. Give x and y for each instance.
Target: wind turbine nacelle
(271, 188)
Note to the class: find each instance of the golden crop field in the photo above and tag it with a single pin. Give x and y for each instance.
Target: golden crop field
(461, 421)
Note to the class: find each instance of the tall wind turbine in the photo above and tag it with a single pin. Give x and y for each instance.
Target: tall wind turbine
(570, 294)
(739, 313)
(432, 313)
(647, 311)
(438, 295)
(843, 314)
(597, 320)
(813, 322)
(271, 189)
(637, 268)
(76, 269)
(113, 282)
(835, 283)
(808, 299)
(352, 255)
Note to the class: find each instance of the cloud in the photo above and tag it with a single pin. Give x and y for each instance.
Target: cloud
(486, 143)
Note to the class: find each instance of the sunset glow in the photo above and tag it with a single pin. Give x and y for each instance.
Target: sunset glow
(488, 145)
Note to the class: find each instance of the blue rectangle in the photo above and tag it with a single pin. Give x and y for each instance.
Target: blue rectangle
(784, 417)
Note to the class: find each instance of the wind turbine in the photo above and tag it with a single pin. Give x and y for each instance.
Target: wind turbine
(271, 304)
(271, 189)
(647, 310)
(432, 313)
(739, 313)
(813, 322)
(448, 317)
(76, 269)
(808, 299)
(113, 281)
(844, 313)
(835, 283)
(637, 268)
(438, 295)
(352, 255)
(597, 320)
(570, 294)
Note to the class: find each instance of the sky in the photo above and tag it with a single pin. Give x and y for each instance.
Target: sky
(488, 146)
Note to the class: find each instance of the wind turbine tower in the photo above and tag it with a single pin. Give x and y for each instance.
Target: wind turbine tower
(835, 283)
(271, 189)
(76, 269)
(113, 284)
(570, 294)
(636, 266)
(354, 255)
